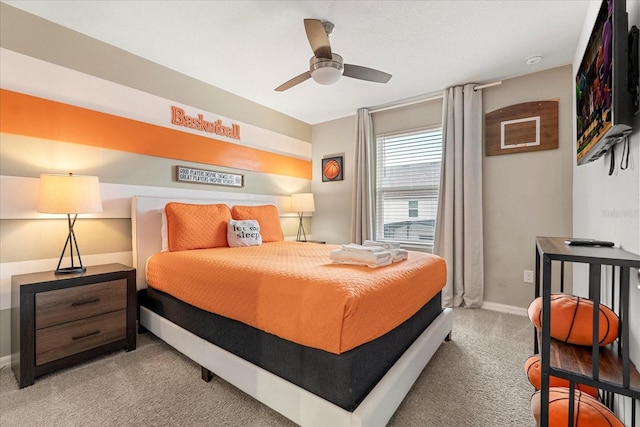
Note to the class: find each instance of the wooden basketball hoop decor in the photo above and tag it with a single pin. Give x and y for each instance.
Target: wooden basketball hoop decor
(532, 126)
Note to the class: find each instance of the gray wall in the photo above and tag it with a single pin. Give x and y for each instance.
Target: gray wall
(526, 194)
(332, 218)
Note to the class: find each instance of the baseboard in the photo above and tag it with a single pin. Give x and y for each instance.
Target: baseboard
(5, 361)
(503, 308)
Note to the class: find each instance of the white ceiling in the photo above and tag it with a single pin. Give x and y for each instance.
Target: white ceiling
(250, 47)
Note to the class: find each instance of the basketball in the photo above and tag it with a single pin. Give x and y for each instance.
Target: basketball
(572, 319)
(331, 169)
(588, 412)
(532, 368)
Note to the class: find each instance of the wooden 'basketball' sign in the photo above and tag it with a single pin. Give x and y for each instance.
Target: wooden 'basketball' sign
(532, 126)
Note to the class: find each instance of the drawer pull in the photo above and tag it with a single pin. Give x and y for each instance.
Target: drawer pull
(87, 301)
(79, 337)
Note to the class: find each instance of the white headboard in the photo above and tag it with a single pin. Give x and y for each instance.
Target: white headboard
(146, 223)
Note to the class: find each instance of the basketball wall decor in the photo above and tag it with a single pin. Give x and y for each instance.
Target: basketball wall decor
(531, 126)
(332, 169)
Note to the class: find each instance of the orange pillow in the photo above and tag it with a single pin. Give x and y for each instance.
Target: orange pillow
(266, 215)
(587, 410)
(572, 319)
(191, 226)
(532, 368)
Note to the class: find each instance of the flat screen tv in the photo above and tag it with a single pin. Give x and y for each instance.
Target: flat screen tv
(604, 104)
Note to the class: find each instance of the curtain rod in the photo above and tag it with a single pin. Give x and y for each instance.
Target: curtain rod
(406, 102)
(478, 87)
(423, 98)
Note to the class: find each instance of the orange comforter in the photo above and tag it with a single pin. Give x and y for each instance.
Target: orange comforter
(292, 290)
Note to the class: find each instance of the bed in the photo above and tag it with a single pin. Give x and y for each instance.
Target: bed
(296, 367)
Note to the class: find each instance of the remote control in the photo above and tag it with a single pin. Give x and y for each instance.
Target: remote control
(588, 242)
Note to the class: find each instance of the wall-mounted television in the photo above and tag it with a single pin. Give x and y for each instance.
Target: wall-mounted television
(604, 104)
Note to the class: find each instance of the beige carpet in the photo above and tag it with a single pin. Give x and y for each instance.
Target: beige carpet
(477, 379)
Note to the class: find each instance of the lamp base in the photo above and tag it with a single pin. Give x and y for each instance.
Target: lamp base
(71, 242)
(302, 236)
(70, 270)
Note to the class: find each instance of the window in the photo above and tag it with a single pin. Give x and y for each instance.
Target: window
(413, 209)
(407, 186)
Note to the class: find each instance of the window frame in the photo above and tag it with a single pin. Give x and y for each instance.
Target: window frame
(430, 191)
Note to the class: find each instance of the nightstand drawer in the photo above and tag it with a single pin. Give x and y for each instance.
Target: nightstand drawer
(70, 338)
(66, 305)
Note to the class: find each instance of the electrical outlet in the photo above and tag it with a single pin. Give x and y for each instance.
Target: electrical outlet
(528, 276)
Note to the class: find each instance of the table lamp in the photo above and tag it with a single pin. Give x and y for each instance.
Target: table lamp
(71, 195)
(301, 203)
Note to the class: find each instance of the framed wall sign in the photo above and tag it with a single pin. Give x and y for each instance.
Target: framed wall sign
(202, 176)
(332, 169)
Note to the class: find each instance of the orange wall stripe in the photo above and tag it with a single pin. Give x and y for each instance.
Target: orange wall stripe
(41, 118)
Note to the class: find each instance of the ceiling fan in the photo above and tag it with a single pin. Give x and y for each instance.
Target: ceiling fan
(326, 67)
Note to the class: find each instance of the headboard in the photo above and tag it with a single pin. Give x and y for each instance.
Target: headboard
(146, 223)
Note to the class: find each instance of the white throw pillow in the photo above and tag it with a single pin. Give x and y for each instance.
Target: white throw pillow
(243, 233)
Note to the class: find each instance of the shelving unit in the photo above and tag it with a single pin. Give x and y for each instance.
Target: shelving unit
(608, 367)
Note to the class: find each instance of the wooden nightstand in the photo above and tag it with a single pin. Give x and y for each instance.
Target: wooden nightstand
(60, 320)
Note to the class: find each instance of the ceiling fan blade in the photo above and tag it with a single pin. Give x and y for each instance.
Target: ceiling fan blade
(294, 81)
(364, 73)
(318, 38)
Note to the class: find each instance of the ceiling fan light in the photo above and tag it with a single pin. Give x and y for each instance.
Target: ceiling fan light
(326, 71)
(326, 75)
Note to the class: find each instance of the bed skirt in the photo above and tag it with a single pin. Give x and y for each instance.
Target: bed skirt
(344, 379)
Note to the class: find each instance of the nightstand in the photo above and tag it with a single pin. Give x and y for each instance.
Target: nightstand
(61, 320)
(321, 242)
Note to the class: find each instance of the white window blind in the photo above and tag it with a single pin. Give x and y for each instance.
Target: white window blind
(407, 186)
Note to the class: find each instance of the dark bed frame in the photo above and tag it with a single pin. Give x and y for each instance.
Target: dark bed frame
(343, 379)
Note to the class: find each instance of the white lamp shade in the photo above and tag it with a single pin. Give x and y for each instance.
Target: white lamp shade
(69, 194)
(302, 202)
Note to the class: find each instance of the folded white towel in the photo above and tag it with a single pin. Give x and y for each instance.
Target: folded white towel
(399, 254)
(385, 245)
(393, 247)
(361, 249)
(370, 259)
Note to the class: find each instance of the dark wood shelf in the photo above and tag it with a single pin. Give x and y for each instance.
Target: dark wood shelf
(576, 359)
(555, 249)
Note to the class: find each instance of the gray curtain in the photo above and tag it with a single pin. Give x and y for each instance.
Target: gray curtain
(364, 173)
(458, 235)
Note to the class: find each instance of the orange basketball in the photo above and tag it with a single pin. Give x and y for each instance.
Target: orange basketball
(331, 169)
(572, 319)
(588, 412)
(532, 368)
